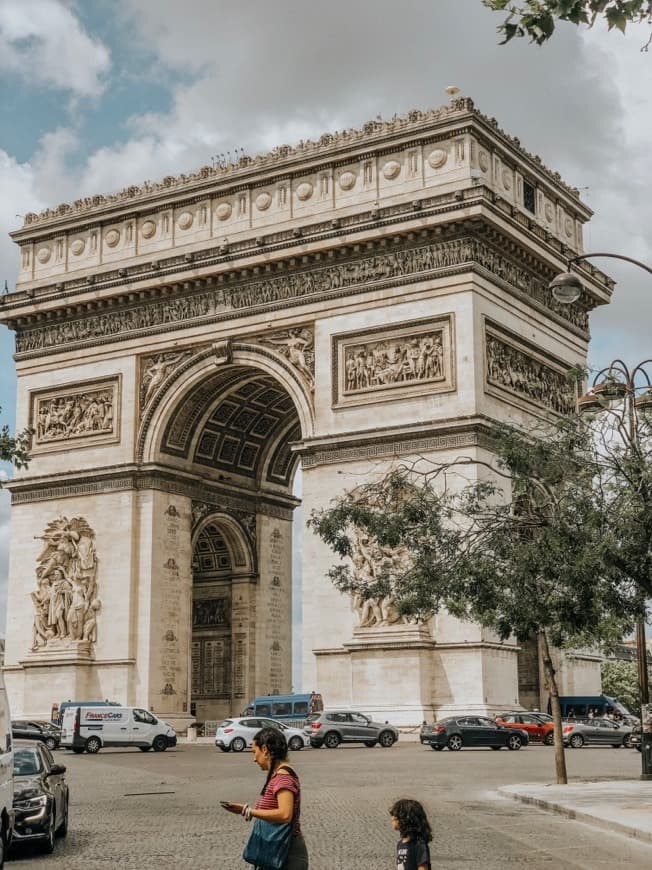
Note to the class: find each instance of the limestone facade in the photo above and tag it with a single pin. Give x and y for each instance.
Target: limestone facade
(182, 346)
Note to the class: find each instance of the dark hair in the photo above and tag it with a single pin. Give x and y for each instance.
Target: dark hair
(412, 820)
(274, 741)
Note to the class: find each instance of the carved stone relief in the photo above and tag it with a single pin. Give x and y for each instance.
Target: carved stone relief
(408, 359)
(155, 369)
(88, 412)
(369, 561)
(66, 603)
(297, 346)
(522, 372)
(391, 266)
(210, 612)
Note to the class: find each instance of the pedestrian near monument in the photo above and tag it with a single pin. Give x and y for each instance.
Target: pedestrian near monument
(412, 850)
(276, 841)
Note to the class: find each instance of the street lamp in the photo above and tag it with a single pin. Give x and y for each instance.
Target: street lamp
(628, 394)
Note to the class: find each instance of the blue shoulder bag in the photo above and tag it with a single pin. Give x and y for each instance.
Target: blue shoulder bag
(268, 845)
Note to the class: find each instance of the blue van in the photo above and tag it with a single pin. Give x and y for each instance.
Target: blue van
(285, 707)
(583, 706)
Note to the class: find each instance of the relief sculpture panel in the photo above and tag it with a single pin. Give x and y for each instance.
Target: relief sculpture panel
(66, 603)
(87, 413)
(514, 368)
(381, 363)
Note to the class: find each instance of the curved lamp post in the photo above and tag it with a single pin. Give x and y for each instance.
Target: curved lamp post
(627, 394)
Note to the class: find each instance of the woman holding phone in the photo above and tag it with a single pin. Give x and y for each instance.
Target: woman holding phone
(279, 802)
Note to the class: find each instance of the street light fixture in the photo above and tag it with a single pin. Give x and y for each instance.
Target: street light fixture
(613, 387)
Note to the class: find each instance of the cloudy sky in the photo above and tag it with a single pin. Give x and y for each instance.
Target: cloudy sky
(98, 94)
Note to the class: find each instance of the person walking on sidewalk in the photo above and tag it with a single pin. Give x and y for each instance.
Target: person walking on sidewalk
(280, 797)
(412, 850)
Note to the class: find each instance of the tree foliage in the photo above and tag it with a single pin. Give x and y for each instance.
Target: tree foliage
(537, 19)
(620, 680)
(14, 449)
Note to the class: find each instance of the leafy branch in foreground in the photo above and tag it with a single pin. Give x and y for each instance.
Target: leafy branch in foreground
(15, 449)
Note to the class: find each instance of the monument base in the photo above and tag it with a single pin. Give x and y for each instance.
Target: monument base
(60, 651)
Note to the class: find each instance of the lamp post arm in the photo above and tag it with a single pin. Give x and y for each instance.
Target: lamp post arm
(614, 256)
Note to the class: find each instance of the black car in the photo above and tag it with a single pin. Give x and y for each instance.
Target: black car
(24, 729)
(460, 731)
(41, 796)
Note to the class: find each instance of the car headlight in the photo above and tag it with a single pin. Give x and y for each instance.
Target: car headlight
(32, 803)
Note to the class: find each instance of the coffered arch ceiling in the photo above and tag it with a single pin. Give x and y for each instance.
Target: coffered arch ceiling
(237, 422)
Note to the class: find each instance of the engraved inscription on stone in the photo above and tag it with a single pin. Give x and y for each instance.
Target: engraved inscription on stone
(407, 359)
(522, 372)
(89, 412)
(66, 603)
(275, 612)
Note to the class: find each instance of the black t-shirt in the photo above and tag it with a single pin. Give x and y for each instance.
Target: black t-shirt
(412, 854)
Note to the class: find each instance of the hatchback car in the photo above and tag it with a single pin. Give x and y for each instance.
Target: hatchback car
(604, 732)
(238, 733)
(41, 796)
(458, 732)
(22, 729)
(538, 731)
(332, 727)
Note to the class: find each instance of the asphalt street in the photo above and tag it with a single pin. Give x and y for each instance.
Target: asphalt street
(145, 810)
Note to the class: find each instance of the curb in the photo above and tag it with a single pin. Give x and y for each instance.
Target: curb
(578, 815)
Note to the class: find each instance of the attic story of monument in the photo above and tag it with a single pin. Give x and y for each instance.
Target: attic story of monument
(182, 347)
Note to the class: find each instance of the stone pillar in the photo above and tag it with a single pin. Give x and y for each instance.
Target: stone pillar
(243, 642)
(274, 607)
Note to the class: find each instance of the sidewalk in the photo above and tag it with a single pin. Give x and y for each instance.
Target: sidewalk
(624, 806)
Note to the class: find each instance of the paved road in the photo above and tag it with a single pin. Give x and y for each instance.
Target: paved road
(145, 810)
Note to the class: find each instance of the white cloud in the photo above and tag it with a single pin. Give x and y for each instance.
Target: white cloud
(44, 42)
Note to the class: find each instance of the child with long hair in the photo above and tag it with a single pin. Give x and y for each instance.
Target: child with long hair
(412, 850)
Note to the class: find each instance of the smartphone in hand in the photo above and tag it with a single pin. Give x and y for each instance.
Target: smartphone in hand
(226, 804)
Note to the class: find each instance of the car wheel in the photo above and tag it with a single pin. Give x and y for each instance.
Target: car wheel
(437, 748)
(63, 827)
(332, 740)
(370, 743)
(627, 741)
(225, 748)
(160, 743)
(78, 750)
(455, 743)
(514, 742)
(144, 748)
(576, 741)
(48, 843)
(386, 739)
(51, 743)
(93, 745)
(496, 748)
(238, 744)
(549, 739)
(295, 744)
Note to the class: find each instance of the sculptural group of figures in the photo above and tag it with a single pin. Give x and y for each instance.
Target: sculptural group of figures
(65, 602)
(77, 414)
(369, 560)
(389, 362)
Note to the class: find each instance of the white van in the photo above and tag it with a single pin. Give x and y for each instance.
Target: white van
(90, 728)
(6, 776)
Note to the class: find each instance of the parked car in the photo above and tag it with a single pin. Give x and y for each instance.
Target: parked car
(537, 730)
(46, 732)
(332, 727)
(41, 795)
(604, 732)
(459, 731)
(237, 733)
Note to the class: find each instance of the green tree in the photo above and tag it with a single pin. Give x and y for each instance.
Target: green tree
(620, 680)
(527, 547)
(536, 19)
(14, 449)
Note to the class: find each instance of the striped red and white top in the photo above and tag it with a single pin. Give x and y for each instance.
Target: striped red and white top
(269, 800)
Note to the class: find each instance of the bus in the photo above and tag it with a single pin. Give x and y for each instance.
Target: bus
(285, 707)
(584, 706)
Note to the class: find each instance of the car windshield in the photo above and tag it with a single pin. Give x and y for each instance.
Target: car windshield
(226, 723)
(27, 762)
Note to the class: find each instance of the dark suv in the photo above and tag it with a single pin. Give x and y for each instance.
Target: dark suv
(330, 728)
(31, 729)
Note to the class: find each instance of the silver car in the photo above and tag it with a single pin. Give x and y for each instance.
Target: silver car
(599, 732)
(238, 733)
(332, 727)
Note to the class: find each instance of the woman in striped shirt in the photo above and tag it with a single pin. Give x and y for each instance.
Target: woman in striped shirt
(280, 797)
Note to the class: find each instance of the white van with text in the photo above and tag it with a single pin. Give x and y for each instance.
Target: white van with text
(88, 729)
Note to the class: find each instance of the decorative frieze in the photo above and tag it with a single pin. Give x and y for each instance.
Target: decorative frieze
(86, 412)
(66, 603)
(382, 363)
(515, 367)
(217, 303)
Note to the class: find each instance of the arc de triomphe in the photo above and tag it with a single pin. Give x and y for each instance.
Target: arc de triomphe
(182, 346)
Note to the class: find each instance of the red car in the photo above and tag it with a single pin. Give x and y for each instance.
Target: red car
(537, 730)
